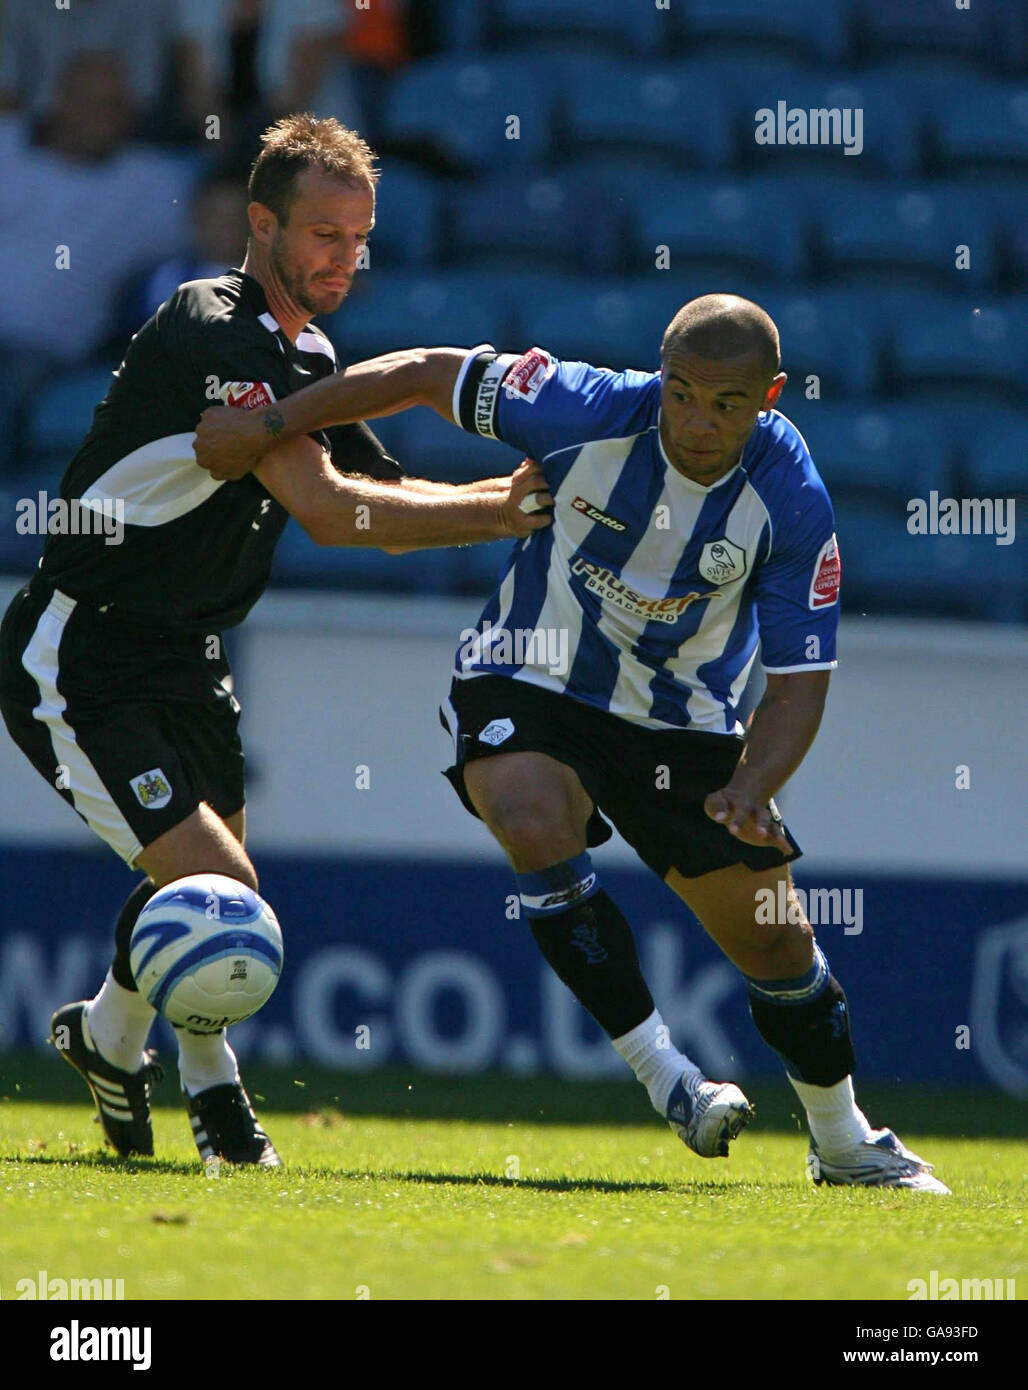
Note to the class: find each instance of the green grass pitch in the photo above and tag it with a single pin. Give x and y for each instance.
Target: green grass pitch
(402, 1186)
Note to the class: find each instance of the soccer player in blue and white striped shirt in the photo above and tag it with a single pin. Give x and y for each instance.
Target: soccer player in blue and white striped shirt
(601, 681)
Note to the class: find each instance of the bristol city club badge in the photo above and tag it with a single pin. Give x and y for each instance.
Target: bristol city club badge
(151, 789)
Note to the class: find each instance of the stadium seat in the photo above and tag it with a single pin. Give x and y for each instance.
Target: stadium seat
(996, 461)
(459, 111)
(406, 228)
(808, 28)
(910, 231)
(886, 139)
(720, 223)
(887, 570)
(958, 346)
(639, 28)
(462, 24)
(644, 111)
(60, 413)
(824, 334)
(880, 449)
(435, 449)
(927, 26)
(300, 562)
(612, 323)
(979, 124)
(405, 308)
(551, 220)
(1006, 202)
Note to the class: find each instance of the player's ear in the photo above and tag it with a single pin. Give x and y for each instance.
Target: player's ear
(774, 391)
(263, 222)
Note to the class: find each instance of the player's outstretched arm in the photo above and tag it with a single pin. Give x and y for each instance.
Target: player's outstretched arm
(229, 443)
(336, 510)
(781, 730)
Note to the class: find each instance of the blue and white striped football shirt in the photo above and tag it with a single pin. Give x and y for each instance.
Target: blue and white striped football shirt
(649, 593)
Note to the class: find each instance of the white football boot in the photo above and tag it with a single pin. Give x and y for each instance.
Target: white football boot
(880, 1161)
(707, 1115)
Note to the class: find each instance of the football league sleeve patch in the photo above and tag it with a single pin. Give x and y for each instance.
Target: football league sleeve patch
(798, 605)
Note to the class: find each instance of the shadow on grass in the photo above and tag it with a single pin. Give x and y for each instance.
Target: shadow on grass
(106, 1162)
(401, 1093)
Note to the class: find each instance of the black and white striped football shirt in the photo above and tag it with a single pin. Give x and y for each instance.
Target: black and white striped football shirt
(195, 553)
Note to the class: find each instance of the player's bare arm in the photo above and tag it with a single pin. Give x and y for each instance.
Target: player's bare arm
(229, 443)
(780, 732)
(338, 510)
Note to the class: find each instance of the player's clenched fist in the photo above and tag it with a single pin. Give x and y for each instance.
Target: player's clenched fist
(524, 508)
(229, 443)
(748, 820)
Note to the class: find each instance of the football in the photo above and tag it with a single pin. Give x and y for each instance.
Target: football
(206, 951)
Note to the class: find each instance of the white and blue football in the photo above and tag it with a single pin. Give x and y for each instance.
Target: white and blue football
(206, 951)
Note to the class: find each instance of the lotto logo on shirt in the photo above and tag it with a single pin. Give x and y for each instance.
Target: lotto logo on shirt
(606, 583)
(824, 587)
(526, 378)
(247, 395)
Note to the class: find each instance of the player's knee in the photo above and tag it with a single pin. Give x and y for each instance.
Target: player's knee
(781, 952)
(536, 833)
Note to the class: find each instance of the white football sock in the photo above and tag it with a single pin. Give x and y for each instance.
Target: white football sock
(205, 1060)
(657, 1064)
(835, 1122)
(117, 1024)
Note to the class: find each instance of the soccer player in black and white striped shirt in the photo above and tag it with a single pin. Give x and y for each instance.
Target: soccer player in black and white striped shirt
(113, 679)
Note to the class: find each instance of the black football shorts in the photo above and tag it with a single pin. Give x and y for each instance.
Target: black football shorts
(134, 728)
(651, 783)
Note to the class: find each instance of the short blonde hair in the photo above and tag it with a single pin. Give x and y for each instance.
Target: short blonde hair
(304, 141)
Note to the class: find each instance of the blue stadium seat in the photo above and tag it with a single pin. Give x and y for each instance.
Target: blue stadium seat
(1006, 201)
(60, 412)
(462, 24)
(977, 124)
(551, 219)
(885, 449)
(457, 108)
(825, 334)
(435, 449)
(406, 217)
(808, 28)
(300, 562)
(644, 111)
(929, 26)
(721, 223)
(612, 323)
(997, 458)
(887, 570)
(405, 308)
(886, 138)
(955, 346)
(910, 231)
(640, 28)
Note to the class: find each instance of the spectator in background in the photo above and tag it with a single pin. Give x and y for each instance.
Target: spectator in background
(38, 40)
(218, 222)
(82, 185)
